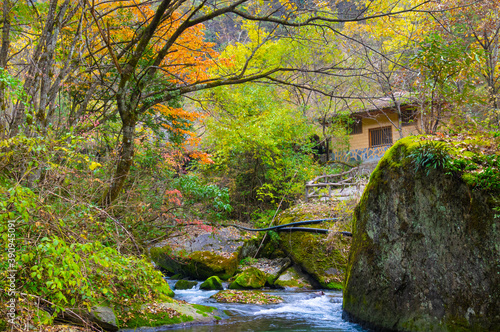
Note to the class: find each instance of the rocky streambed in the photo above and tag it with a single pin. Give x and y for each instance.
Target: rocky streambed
(298, 310)
(251, 260)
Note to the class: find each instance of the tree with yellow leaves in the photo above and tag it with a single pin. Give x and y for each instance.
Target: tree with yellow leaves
(138, 58)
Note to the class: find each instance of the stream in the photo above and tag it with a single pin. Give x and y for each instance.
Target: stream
(300, 311)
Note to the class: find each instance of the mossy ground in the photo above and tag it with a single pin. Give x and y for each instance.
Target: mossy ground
(203, 308)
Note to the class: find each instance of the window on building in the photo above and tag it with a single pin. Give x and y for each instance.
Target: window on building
(355, 126)
(380, 136)
(408, 117)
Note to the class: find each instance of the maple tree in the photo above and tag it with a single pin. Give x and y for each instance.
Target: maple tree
(137, 67)
(136, 60)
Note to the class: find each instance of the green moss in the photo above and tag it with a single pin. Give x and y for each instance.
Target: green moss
(198, 265)
(185, 284)
(212, 283)
(400, 221)
(203, 308)
(292, 283)
(270, 279)
(311, 253)
(162, 257)
(334, 285)
(206, 264)
(145, 318)
(472, 159)
(251, 278)
(3, 325)
(292, 279)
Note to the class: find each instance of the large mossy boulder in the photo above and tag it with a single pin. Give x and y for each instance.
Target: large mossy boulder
(251, 278)
(425, 250)
(200, 254)
(312, 252)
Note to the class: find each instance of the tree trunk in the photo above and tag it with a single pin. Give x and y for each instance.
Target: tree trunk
(126, 154)
(4, 54)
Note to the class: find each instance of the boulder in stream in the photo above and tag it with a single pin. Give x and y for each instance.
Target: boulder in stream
(425, 249)
(251, 278)
(292, 278)
(199, 254)
(212, 283)
(271, 267)
(185, 284)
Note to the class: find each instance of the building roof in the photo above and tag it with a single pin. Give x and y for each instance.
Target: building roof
(385, 103)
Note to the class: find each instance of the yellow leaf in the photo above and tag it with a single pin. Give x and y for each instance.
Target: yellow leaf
(94, 165)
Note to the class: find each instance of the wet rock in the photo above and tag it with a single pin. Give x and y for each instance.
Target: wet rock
(313, 252)
(251, 278)
(102, 316)
(168, 313)
(424, 254)
(212, 283)
(292, 278)
(271, 267)
(185, 284)
(200, 255)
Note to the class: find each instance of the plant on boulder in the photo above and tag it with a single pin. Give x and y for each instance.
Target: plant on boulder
(430, 155)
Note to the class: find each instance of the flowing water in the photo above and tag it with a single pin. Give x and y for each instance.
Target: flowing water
(300, 311)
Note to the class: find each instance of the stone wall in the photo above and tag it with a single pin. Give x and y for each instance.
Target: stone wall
(360, 155)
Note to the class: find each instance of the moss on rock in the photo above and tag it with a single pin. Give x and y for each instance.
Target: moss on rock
(291, 278)
(251, 278)
(313, 252)
(198, 264)
(185, 284)
(212, 283)
(424, 255)
(168, 313)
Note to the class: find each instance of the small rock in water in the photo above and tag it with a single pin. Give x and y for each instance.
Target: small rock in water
(185, 284)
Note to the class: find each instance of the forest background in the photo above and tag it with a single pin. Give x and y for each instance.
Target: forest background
(121, 120)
